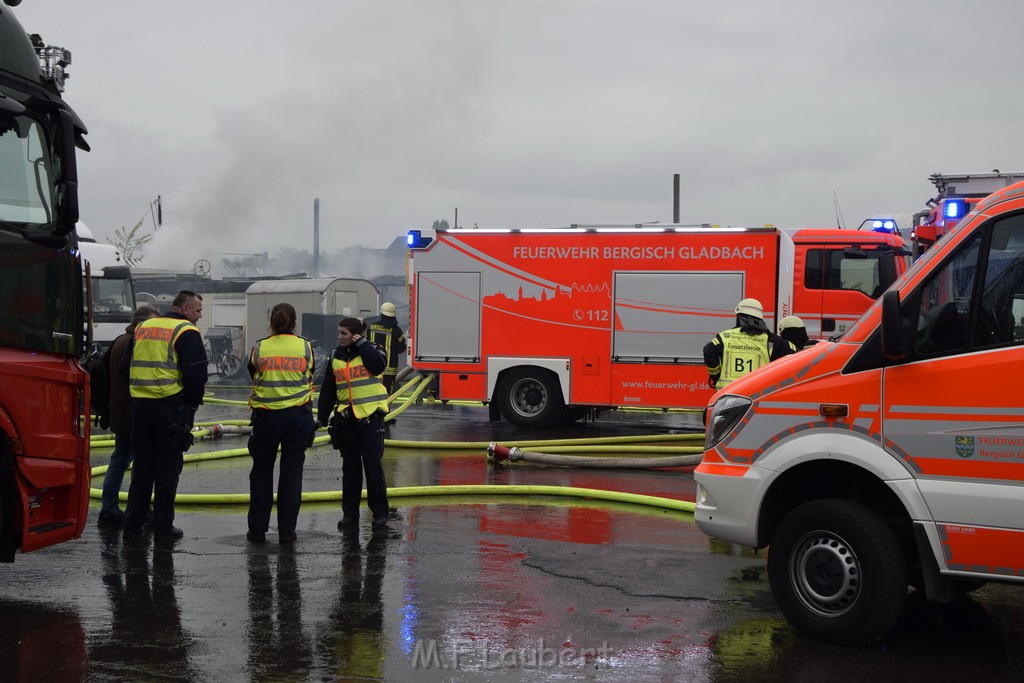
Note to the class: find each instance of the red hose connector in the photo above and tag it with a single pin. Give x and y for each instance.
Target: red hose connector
(497, 453)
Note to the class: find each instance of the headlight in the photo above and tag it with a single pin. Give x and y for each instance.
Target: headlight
(724, 415)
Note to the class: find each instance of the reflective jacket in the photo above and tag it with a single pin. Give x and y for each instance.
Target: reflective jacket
(385, 333)
(357, 389)
(735, 353)
(284, 372)
(742, 353)
(154, 369)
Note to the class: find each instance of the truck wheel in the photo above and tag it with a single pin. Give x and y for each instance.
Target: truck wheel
(837, 571)
(530, 397)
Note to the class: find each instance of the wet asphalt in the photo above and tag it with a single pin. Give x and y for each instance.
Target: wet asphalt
(456, 588)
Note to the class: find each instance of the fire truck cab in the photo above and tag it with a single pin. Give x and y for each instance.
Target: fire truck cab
(44, 392)
(893, 458)
(957, 196)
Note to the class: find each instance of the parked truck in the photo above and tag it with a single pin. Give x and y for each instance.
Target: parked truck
(546, 324)
(112, 288)
(44, 392)
(893, 458)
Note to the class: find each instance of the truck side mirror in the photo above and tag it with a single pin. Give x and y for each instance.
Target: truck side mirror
(892, 326)
(66, 194)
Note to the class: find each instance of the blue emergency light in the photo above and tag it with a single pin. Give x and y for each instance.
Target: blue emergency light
(954, 208)
(878, 225)
(415, 240)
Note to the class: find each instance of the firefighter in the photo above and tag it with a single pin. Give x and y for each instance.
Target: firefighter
(354, 401)
(120, 410)
(739, 351)
(388, 336)
(166, 379)
(793, 330)
(281, 367)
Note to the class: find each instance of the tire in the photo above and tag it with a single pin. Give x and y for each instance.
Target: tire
(530, 397)
(837, 572)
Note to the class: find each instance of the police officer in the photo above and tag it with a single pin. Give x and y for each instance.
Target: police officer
(166, 379)
(281, 367)
(354, 400)
(387, 335)
(793, 330)
(744, 348)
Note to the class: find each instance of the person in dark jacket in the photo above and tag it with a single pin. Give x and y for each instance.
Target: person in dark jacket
(353, 400)
(739, 351)
(793, 330)
(388, 336)
(166, 379)
(120, 419)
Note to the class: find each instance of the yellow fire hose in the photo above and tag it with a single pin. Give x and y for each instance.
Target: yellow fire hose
(591, 445)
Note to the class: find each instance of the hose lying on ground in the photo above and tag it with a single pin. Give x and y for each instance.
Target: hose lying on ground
(502, 455)
(591, 444)
(447, 490)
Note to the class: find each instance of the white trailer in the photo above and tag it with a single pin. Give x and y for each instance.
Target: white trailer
(337, 297)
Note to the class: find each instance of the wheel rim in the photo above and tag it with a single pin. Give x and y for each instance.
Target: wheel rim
(529, 397)
(825, 573)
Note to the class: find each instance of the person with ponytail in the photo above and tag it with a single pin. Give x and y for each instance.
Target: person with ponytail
(281, 367)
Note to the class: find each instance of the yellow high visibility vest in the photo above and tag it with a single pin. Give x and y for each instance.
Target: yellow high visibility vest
(284, 375)
(154, 370)
(358, 390)
(742, 353)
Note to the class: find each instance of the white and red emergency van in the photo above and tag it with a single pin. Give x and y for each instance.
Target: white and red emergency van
(545, 324)
(893, 458)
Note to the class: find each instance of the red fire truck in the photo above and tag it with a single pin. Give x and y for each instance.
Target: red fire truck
(545, 324)
(957, 196)
(44, 425)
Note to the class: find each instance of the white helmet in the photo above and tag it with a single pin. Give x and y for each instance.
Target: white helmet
(387, 308)
(751, 307)
(789, 322)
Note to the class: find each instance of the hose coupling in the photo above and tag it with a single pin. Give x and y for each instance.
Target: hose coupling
(499, 453)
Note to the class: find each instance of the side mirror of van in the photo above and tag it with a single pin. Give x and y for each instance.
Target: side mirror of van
(892, 326)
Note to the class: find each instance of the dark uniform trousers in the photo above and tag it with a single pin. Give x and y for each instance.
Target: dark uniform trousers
(362, 447)
(290, 429)
(156, 423)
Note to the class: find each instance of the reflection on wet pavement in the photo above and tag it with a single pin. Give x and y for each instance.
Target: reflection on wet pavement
(457, 589)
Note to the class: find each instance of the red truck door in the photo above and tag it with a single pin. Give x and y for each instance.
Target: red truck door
(836, 280)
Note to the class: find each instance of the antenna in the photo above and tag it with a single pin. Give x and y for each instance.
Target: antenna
(840, 221)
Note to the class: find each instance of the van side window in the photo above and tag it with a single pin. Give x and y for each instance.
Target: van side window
(942, 318)
(1001, 310)
(833, 269)
(947, 308)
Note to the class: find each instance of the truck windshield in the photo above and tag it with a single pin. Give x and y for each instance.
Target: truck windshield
(41, 305)
(112, 300)
(26, 176)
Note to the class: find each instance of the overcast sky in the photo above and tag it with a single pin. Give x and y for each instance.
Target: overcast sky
(525, 113)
